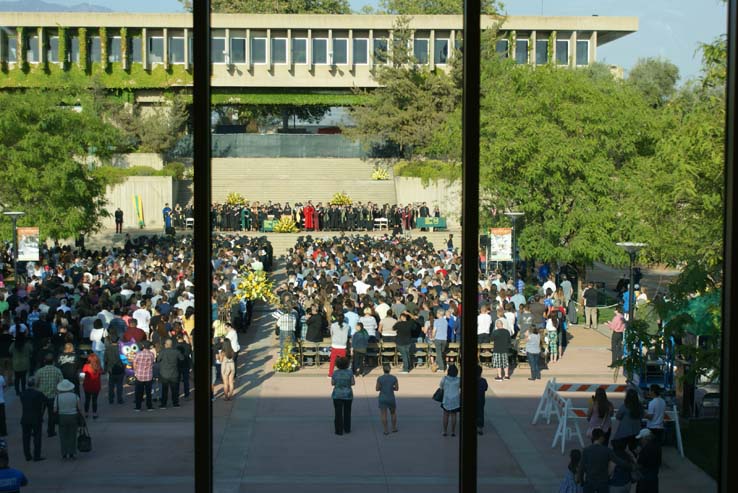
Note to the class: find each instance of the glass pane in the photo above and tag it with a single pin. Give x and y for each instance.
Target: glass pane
(420, 50)
(156, 50)
(217, 50)
(135, 53)
(521, 51)
(238, 50)
(361, 51)
(440, 51)
(176, 50)
(12, 50)
(562, 52)
(33, 53)
(95, 49)
(258, 50)
(541, 51)
(340, 51)
(380, 50)
(299, 50)
(501, 47)
(114, 54)
(320, 51)
(279, 50)
(582, 52)
(52, 53)
(74, 58)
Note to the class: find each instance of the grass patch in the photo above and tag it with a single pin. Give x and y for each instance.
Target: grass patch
(429, 170)
(112, 175)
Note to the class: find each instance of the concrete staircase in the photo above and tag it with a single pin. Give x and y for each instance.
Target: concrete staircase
(298, 180)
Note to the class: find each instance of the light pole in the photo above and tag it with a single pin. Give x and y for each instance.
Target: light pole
(14, 215)
(514, 217)
(632, 249)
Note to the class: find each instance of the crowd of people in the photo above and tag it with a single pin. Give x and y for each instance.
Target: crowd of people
(309, 217)
(127, 313)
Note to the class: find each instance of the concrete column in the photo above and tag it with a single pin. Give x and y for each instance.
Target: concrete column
(573, 49)
(371, 49)
(432, 50)
(249, 62)
(289, 47)
(532, 47)
(593, 48)
(268, 48)
(186, 48)
(451, 44)
(350, 48)
(228, 46)
(144, 48)
(165, 35)
(309, 49)
(41, 51)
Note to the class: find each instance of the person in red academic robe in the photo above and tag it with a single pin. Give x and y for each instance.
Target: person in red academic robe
(308, 213)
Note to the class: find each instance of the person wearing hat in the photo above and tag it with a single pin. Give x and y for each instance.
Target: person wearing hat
(67, 407)
(649, 462)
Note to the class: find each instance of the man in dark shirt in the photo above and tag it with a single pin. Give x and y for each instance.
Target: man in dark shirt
(589, 297)
(114, 367)
(33, 403)
(593, 472)
(538, 309)
(169, 359)
(404, 329)
(315, 324)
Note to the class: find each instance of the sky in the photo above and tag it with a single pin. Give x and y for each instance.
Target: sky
(671, 29)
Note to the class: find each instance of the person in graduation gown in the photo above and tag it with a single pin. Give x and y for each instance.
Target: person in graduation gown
(308, 213)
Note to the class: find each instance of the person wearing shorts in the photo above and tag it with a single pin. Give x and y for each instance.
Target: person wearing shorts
(501, 352)
(387, 385)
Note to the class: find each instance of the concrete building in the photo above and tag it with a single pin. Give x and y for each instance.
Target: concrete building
(143, 52)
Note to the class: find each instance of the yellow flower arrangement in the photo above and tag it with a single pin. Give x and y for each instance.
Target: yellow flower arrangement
(235, 198)
(286, 225)
(340, 198)
(380, 174)
(254, 285)
(287, 363)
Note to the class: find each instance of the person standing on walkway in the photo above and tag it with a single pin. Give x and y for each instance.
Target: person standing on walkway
(501, 350)
(32, 420)
(569, 484)
(593, 472)
(114, 367)
(339, 341)
(286, 324)
(482, 387)
(91, 383)
(617, 326)
(451, 404)
(11, 479)
(20, 353)
(439, 335)
(359, 345)
(599, 415)
(227, 369)
(169, 359)
(629, 415)
(387, 385)
(47, 378)
(533, 353)
(589, 300)
(655, 414)
(649, 462)
(118, 221)
(143, 370)
(67, 406)
(342, 380)
(404, 329)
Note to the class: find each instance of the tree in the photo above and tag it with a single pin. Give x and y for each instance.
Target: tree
(149, 129)
(655, 78)
(411, 103)
(277, 6)
(557, 145)
(434, 7)
(42, 144)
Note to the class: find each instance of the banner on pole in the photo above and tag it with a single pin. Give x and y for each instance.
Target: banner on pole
(500, 245)
(138, 208)
(28, 238)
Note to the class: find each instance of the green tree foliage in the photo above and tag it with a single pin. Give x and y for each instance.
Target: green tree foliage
(42, 149)
(148, 129)
(655, 78)
(412, 103)
(277, 6)
(434, 7)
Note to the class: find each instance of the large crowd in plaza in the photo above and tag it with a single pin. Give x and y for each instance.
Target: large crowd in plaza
(127, 313)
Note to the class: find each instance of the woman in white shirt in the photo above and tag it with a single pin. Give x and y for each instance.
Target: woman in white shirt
(67, 406)
(370, 323)
(484, 322)
(339, 340)
(97, 335)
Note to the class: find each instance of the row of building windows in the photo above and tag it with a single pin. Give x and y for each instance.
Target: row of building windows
(324, 51)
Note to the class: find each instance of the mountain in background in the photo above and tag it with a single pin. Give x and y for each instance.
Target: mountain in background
(41, 6)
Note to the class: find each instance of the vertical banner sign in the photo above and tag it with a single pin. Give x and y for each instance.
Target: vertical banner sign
(500, 245)
(138, 207)
(28, 244)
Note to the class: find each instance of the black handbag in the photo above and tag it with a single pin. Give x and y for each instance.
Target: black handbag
(438, 395)
(84, 441)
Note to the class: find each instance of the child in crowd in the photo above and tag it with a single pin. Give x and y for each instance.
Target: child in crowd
(568, 484)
